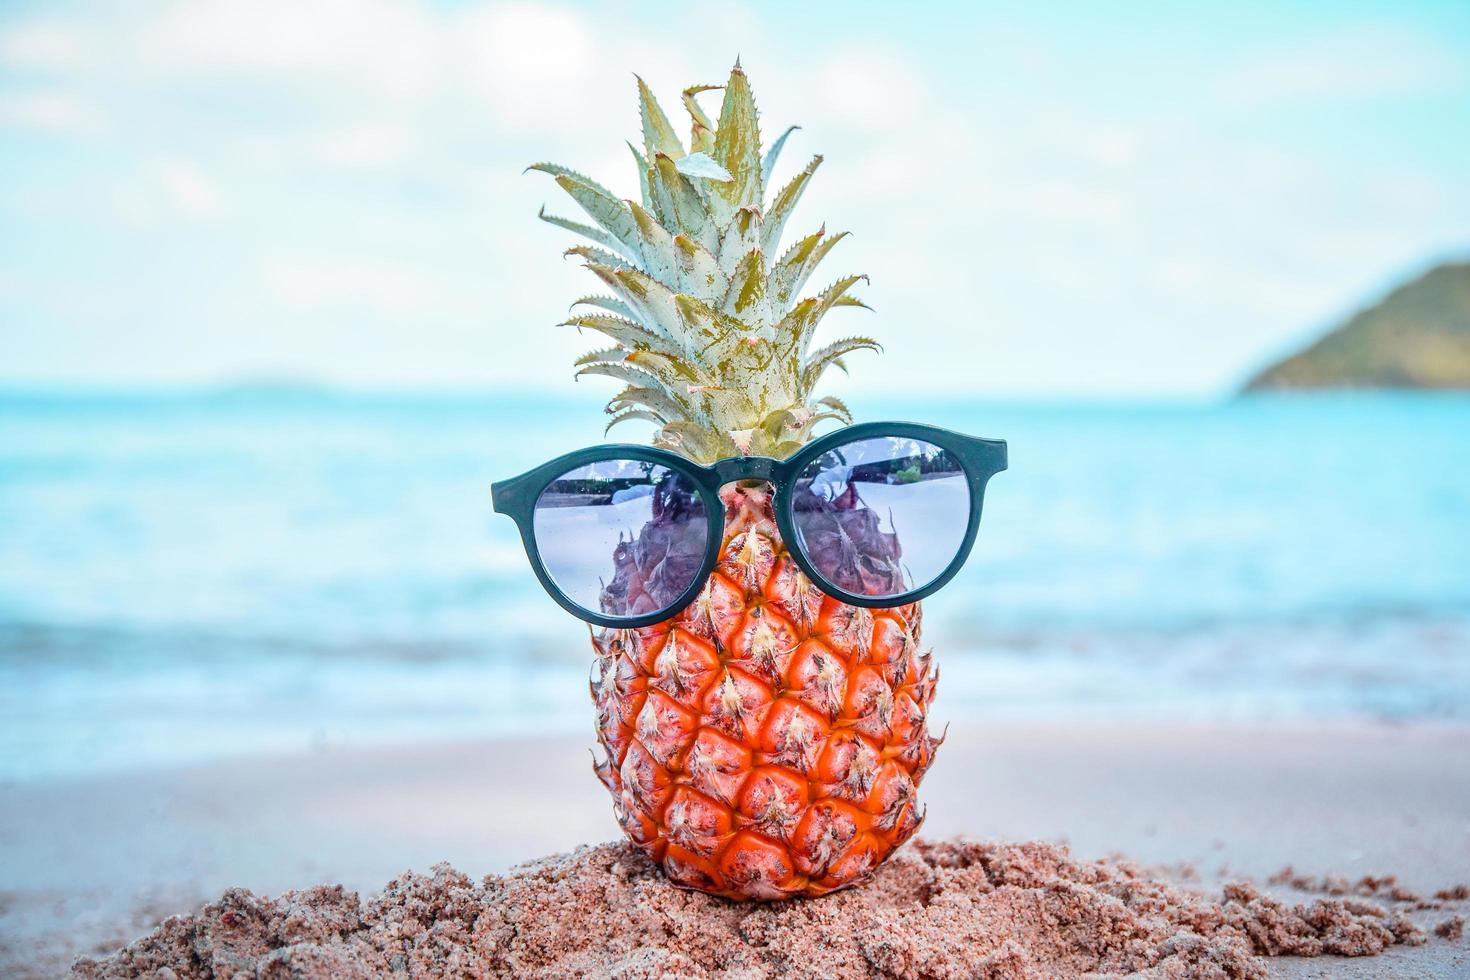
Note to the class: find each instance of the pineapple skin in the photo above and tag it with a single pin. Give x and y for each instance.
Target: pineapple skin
(768, 741)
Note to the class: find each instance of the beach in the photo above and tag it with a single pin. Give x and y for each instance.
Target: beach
(92, 863)
(268, 641)
(302, 565)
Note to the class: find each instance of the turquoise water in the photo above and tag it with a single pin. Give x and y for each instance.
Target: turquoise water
(189, 576)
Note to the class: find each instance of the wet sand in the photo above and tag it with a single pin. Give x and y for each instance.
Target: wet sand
(90, 864)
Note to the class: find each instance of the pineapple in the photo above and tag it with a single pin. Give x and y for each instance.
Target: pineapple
(768, 740)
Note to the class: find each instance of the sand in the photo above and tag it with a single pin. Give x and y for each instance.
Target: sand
(950, 909)
(1371, 814)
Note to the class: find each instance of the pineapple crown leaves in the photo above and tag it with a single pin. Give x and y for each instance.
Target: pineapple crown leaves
(710, 332)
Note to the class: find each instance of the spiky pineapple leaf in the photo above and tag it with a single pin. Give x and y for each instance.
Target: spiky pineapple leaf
(633, 414)
(832, 354)
(630, 373)
(837, 405)
(714, 334)
(814, 260)
(602, 355)
(658, 132)
(802, 430)
(587, 231)
(702, 130)
(680, 204)
(799, 262)
(645, 193)
(692, 106)
(738, 143)
(593, 254)
(768, 163)
(609, 212)
(654, 399)
(784, 203)
(693, 440)
(700, 270)
(635, 288)
(840, 347)
(798, 252)
(795, 331)
(628, 333)
(609, 303)
(673, 369)
(656, 246)
(557, 170)
(742, 234)
(825, 247)
(653, 300)
(747, 292)
(777, 422)
(823, 302)
(702, 165)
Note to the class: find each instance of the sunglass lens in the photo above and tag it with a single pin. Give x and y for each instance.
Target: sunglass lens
(882, 516)
(622, 537)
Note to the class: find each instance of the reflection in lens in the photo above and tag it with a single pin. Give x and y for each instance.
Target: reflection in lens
(622, 536)
(881, 516)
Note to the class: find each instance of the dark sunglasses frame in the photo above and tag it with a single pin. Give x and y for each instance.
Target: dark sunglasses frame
(516, 498)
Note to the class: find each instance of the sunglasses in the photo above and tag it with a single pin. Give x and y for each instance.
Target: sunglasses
(878, 514)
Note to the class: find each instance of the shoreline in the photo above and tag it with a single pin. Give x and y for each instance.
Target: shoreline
(90, 861)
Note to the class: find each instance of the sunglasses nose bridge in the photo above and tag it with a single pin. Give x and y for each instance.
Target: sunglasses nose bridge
(744, 468)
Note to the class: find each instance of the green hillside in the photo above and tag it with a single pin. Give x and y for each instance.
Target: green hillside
(1416, 337)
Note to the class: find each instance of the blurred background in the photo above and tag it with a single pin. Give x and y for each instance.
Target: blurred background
(276, 310)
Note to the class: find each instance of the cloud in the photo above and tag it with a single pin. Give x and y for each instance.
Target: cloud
(55, 112)
(166, 190)
(1349, 65)
(353, 283)
(530, 62)
(45, 46)
(870, 85)
(189, 190)
(366, 146)
(333, 47)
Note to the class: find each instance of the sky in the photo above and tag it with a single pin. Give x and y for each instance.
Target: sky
(1052, 200)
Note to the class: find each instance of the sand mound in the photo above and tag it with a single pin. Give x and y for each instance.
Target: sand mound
(948, 909)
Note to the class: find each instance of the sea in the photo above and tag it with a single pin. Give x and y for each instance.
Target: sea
(189, 576)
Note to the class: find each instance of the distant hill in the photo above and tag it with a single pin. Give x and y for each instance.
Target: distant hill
(1416, 337)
